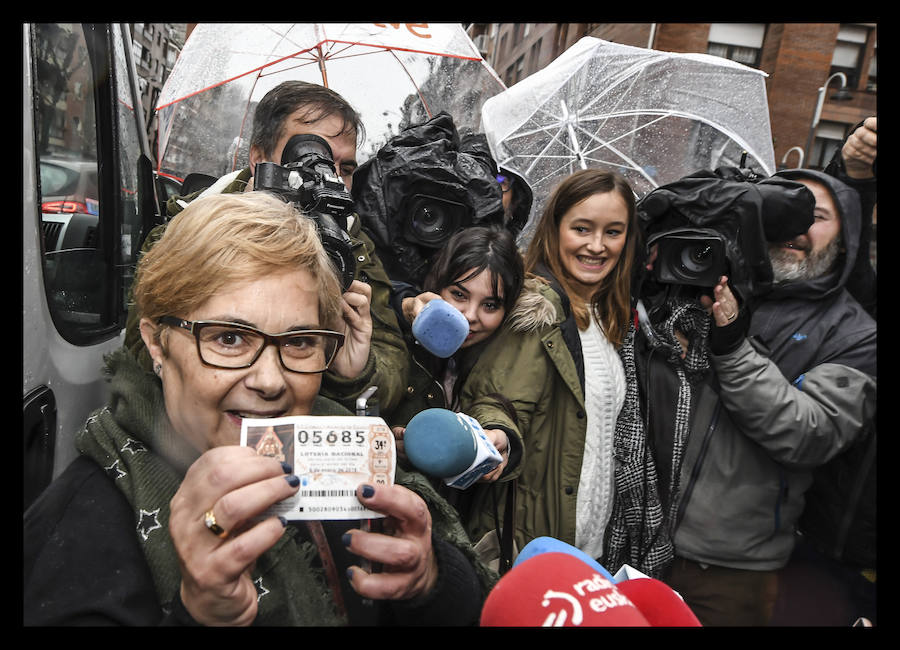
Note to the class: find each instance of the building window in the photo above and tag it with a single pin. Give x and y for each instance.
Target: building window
(741, 42)
(534, 59)
(871, 84)
(829, 138)
(848, 52)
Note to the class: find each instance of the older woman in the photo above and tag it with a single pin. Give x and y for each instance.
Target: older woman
(159, 519)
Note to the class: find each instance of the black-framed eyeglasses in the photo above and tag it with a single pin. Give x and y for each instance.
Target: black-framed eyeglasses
(232, 346)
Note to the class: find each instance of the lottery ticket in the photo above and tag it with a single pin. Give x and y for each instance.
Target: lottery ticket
(331, 455)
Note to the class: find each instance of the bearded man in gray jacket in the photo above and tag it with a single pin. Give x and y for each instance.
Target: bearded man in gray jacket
(791, 384)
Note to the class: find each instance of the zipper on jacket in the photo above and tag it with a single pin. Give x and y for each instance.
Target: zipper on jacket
(695, 471)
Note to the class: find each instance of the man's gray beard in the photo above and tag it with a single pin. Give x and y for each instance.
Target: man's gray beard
(787, 268)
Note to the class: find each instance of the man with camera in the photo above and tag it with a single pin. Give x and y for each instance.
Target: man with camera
(744, 405)
(296, 108)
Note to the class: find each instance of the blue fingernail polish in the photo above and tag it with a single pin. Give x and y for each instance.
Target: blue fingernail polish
(283, 521)
(346, 539)
(368, 491)
(293, 480)
(350, 574)
(286, 467)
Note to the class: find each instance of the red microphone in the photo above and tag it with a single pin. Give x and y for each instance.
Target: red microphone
(659, 604)
(558, 590)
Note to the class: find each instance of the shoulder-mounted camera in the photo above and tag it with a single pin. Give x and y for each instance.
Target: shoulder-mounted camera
(307, 178)
(420, 188)
(715, 223)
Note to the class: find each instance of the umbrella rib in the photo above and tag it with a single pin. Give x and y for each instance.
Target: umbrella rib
(413, 82)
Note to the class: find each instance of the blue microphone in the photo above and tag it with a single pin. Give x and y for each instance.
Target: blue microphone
(540, 545)
(451, 446)
(440, 327)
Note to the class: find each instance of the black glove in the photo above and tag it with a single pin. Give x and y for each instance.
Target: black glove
(726, 338)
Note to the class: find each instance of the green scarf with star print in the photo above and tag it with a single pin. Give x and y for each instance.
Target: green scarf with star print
(133, 440)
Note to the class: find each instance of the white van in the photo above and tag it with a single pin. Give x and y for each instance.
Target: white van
(89, 199)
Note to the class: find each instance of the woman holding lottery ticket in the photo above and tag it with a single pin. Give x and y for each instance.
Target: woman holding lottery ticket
(163, 518)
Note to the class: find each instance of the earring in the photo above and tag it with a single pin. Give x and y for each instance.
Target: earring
(156, 368)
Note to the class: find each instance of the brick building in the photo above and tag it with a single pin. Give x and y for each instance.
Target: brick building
(798, 57)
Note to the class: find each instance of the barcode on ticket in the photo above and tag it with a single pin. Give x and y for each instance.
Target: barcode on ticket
(327, 493)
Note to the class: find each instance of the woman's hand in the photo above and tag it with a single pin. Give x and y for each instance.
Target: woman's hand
(500, 441)
(235, 485)
(357, 329)
(409, 567)
(412, 306)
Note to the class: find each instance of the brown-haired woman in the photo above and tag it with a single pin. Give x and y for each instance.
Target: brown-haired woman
(564, 360)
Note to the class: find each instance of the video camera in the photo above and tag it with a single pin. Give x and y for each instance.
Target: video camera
(307, 178)
(420, 188)
(714, 223)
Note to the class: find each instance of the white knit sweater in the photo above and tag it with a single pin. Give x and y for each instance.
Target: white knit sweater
(604, 387)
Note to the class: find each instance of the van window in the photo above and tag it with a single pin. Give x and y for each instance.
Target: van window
(84, 106)
(66, 151)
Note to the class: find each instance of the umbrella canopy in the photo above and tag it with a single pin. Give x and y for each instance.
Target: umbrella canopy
(652, 116)
(394, 74)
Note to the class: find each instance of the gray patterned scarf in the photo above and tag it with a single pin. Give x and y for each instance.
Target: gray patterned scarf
(640, 531)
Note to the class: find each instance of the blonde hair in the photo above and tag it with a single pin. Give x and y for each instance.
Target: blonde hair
(224, 239)
(611, 302)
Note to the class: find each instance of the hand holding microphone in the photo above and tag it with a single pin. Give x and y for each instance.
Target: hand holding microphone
(436, 324)
(451, 446)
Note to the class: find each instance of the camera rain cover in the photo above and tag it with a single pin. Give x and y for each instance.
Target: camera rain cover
(421, 187)
(745, 213)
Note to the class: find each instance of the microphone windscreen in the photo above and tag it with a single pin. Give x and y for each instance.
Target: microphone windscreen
(440, 327)
(660, 605)
(439, 442)
(552, 545)
(558, 590)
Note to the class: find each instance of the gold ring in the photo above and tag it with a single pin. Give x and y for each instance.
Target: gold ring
(210, 520)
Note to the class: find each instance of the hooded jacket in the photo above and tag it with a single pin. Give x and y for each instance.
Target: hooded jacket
(798, 391)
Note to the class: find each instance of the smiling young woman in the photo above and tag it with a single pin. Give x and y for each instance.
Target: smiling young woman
(562, 362)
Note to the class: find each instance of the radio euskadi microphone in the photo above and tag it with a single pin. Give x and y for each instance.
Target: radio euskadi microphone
(440, 328)
(451, 446)
(558, 590)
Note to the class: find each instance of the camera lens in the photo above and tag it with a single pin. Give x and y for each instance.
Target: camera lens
(697, 259)
(433, 220)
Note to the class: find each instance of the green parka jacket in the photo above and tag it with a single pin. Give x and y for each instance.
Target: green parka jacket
(388, 364)
(535, 362)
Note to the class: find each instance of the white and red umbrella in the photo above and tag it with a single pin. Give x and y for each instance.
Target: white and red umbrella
(394, 74)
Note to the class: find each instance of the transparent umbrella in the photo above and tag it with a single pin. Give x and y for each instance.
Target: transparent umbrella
(652, 116)
(394, 74)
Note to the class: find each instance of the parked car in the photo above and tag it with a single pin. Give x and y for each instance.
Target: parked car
(69, 185)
